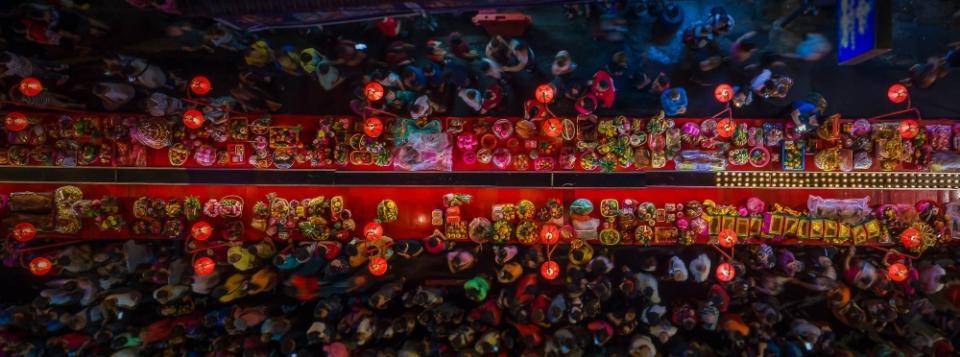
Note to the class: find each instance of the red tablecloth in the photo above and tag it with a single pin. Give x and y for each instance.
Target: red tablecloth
(416, 203)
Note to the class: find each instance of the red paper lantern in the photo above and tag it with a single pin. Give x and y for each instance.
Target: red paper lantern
(40, 266)
(373, 127)
(373, 91)
(552, 127)
(725, 272)
(201, 230)
(897, 272)
(910, 238)
(193, 118)
(16, 121)
(24, 231)
(725, 128)
(909, 128)
(378, 266)
(723, 93)
(200, 85)
(373, 231)
(549, 234)
(727, 238)
(549, 270)
(897, 93)
(30, 86)
(204, 266)
(545, 93)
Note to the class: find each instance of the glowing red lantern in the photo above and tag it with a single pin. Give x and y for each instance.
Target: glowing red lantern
(24, 231)
(549, 234)
(203, 266)
(910, 238)
(545, 93)
(725, 128)
(201, 230)
(15, 121)
(378, 266)
(373, 231)
(549, 270)
(200, 85)
(40, 266)
(909, 128)
(552, 127)
(897, 272)
(725, 272)
(373, 127)
(727, 238)
(193, 118)
(897, 93)
(373, 91)
(30, 86)
(723, 93)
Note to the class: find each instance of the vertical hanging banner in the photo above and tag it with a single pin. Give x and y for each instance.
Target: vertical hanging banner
(864, 29)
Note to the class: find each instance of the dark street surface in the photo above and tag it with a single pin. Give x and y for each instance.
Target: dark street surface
(921, 29)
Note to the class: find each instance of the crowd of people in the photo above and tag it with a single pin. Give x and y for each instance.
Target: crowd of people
(138, 298)
(317, 298)
(451, 73)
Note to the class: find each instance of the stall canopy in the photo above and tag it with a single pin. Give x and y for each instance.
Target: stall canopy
(256, 15)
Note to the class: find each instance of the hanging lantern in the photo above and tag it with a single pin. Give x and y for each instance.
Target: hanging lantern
(909, 128)
(204, 266)
(30, 86)
(549, 234)
(552, 127)
(378, 266)
(727, 238)
(373, 91)
(201, 230)
(549, 270)
(545, 93)
(723, 93)
(897, 272)
(725, 128)
(897, 93)
(373, 231)
(15, 121)
(40, 266)
(373, 127)
(200, 85)
(193, 118)
(910, 238)
(725, 272)
(24, 231)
